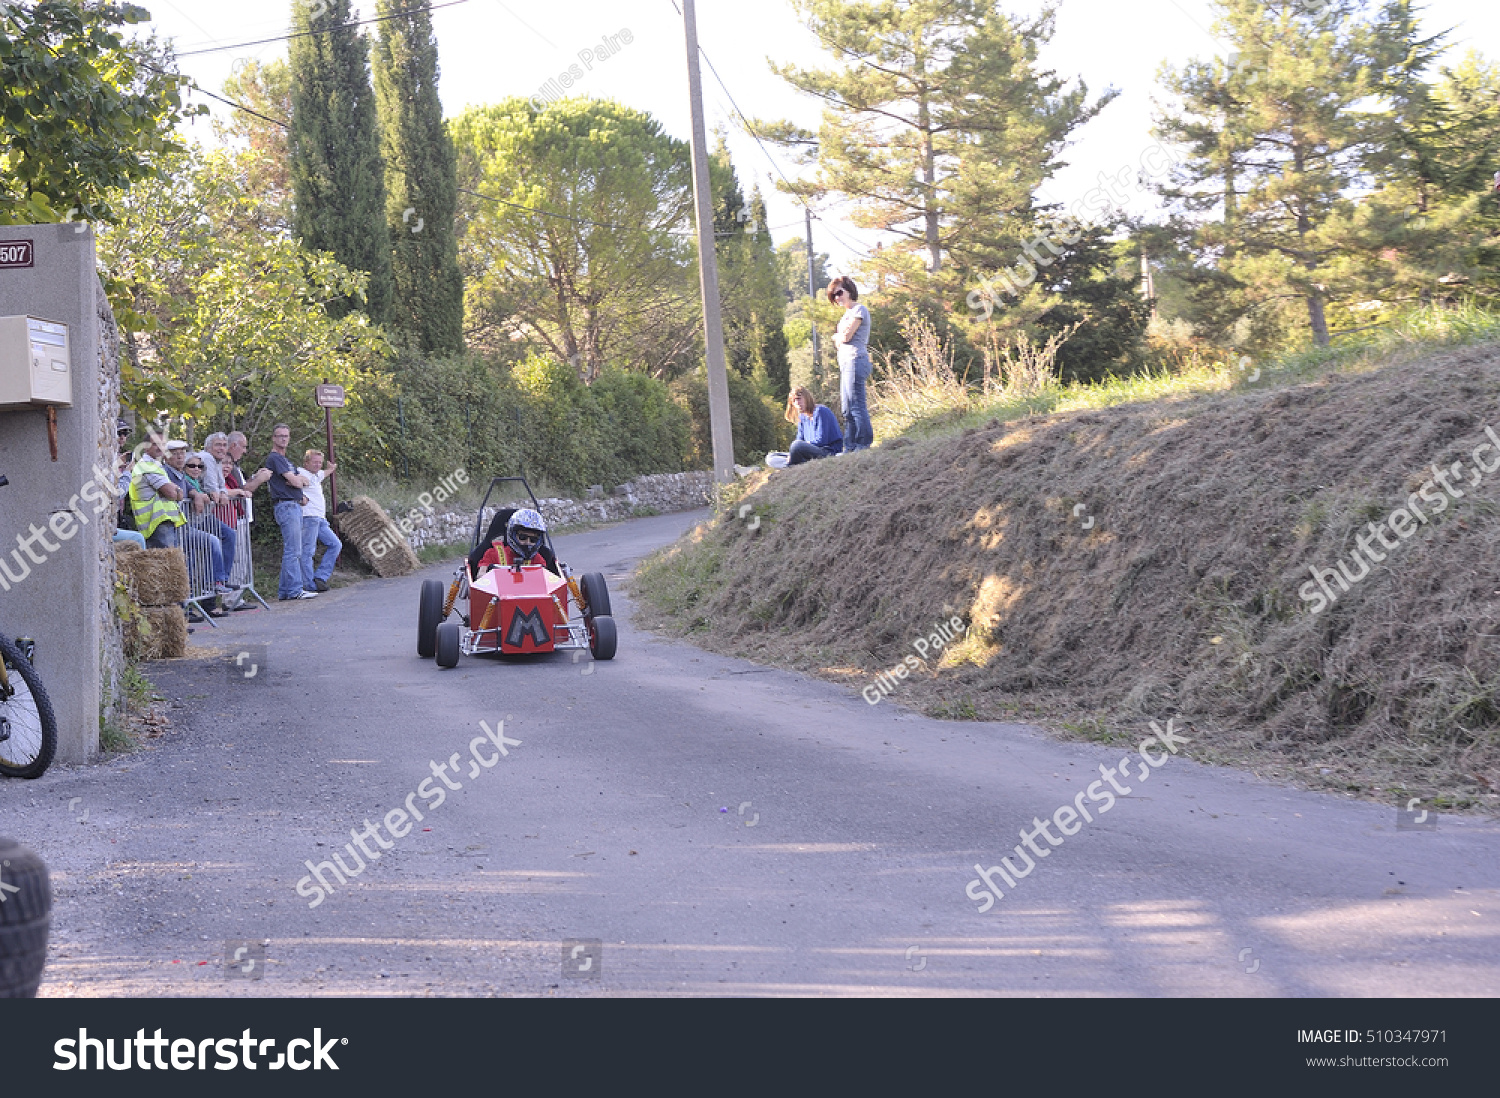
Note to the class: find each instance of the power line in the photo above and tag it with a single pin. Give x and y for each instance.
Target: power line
(325, 30)
(461, 190)
(751, 131)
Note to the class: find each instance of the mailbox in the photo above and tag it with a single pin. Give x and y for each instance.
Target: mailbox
(35, 368)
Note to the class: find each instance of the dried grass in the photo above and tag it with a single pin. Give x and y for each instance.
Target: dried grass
(1180, 597)
(158, 633)
(377, 539)
(154, 577)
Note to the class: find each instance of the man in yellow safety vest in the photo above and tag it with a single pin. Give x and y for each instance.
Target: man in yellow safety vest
(154, 498)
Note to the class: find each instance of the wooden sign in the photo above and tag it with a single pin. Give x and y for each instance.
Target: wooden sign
(330, 396)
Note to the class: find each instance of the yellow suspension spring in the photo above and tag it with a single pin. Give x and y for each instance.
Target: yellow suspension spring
(490, 613)
(452, 595)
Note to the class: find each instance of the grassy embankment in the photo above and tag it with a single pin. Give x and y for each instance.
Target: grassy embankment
(1142, 549)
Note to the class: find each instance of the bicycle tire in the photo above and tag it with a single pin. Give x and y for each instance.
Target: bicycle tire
(27, 722)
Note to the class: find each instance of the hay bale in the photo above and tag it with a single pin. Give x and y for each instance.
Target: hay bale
(376, 538)
(155, 577)
(156, 633)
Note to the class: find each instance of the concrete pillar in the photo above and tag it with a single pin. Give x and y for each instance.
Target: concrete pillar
(57, 600)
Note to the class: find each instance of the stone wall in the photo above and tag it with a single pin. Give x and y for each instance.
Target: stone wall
(660, 493)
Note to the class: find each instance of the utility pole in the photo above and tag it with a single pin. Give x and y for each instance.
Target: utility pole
(812, 285)
(708, 266)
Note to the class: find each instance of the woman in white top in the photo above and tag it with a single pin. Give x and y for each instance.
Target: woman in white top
(853, 341)
(315, 528)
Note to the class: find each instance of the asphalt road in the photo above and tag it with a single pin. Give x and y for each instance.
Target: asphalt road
(716, 827)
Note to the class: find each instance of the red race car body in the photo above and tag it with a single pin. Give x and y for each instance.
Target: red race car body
(518, 610)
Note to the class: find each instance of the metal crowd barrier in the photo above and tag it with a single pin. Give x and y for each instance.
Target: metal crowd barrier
(197, 546)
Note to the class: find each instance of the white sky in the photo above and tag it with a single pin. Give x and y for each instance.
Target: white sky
(491, 49)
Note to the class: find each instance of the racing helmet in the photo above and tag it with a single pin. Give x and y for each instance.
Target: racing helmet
(523, 533)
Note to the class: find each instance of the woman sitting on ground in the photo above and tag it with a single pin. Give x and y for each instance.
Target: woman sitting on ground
(818, 432)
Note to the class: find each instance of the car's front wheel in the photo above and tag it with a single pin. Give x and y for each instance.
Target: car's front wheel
(595, 596)
(602, 637)
(447, 644)
(429, 614)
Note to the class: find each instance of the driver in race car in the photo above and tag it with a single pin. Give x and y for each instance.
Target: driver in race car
(521, 542)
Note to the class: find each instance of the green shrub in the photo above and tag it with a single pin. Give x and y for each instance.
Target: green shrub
(755, 420)
(535, 417)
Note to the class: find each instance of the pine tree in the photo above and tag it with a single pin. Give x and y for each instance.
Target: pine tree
(338, 187)
(420, 182)
(937, 121)
(266, 90)
(1280, 137)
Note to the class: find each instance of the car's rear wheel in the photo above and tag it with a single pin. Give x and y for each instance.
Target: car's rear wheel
(602, 637)
(595, 596)
(447, 644)
(429, 614)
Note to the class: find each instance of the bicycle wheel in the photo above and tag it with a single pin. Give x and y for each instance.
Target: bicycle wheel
(28, 730)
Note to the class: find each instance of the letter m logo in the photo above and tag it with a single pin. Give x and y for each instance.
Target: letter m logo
(524, 624)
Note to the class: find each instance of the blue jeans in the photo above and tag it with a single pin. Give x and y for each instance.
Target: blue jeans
(853, 373)
(315, 532)
(225, 534)
(163, 537)
(806, 451)
(288, 514)
(200, 550)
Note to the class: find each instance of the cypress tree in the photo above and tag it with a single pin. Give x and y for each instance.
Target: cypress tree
(338, 189)
(420, 181)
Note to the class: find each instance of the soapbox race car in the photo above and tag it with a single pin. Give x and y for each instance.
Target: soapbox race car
(515, 608)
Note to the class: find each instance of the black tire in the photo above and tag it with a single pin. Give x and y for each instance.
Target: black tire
(28, 728)
(595, 596)
(429, 615)
(602, 637)
(25, 920)
(447, 644)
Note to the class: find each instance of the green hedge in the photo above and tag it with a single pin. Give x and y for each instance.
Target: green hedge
(535, 417)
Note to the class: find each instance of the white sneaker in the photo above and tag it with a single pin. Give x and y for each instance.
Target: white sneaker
(306, 594)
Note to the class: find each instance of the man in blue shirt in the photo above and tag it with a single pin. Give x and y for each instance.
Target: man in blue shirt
(286, 500)
(818, 432)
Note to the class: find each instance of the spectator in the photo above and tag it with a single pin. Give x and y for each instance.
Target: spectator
(852, 339)
(124, 519)
(196, 545)
(202, 469)
(238, 444)
(315, 528)
(817, 429)
(287, 499)
(154, 497)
